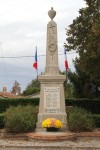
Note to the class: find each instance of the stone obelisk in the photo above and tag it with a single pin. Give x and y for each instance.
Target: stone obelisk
(52, 100)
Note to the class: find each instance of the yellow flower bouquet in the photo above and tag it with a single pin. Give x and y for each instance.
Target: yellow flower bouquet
(52, 122)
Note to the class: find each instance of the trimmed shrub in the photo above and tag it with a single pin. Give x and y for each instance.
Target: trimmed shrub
(1, 120)
(20, 119)
(79, 120)
(88, 104)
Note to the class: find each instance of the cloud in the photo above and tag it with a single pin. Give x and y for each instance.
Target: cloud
(23, 25)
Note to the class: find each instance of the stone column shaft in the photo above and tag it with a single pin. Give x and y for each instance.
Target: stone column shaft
(52, 49)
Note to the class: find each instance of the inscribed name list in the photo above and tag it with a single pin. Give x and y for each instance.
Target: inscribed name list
(52, 98)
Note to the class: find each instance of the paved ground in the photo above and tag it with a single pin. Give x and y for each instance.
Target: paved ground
(85, 141)
(52, 141)
(82, 144)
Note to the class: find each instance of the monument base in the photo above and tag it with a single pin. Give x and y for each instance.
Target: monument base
(42, 117)
(52, 100)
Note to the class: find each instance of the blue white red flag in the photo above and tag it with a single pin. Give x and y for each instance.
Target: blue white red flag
(35, 62)
(66, 62)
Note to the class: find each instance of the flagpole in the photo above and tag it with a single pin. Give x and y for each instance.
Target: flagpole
(66, 75)
(37, 72)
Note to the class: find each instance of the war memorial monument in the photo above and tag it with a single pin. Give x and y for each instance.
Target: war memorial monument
(52, 99)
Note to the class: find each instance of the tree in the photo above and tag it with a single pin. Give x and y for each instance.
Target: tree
(68, 86)
(16, 89)
(82, 87)
(83, 36)
(32, 87)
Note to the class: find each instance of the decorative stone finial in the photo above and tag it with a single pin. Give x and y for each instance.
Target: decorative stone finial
(51, 13)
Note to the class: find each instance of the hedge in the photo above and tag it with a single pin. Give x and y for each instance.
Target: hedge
(1, 120)
(96, 118)
(90, 105)
(6, 103)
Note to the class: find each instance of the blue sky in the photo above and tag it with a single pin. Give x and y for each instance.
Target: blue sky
(23, 25)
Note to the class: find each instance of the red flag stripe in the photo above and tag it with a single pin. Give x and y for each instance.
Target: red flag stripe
(35, 65)
(35, 62)
(66, 64)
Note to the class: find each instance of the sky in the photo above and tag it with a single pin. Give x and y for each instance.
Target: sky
(23, 26)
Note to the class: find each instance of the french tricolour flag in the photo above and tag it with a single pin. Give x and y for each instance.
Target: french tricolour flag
(35, 62)
(66, 62)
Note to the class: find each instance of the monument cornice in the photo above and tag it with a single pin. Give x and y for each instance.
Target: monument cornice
(54, 77)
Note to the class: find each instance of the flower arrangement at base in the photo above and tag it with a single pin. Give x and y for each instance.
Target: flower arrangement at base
(52, 122)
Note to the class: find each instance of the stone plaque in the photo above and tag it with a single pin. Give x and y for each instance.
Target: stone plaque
(51, 99)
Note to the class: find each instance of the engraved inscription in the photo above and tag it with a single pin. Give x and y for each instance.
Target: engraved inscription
(52, 99)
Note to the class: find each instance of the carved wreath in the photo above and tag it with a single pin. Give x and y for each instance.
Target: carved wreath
(52, 44)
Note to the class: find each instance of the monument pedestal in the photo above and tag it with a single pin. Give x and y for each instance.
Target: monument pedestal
(52, 100)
